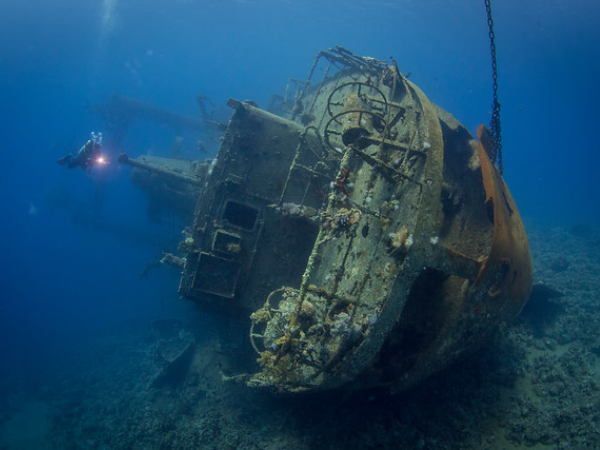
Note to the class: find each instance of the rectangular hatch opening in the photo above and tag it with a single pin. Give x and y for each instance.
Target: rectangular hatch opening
(240, 215)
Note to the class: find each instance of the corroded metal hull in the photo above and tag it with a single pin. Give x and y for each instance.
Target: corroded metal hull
(364, 232)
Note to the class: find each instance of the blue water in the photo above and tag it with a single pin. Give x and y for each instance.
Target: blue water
(62, 281)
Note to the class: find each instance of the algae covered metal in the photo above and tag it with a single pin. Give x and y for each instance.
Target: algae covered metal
(361, 229)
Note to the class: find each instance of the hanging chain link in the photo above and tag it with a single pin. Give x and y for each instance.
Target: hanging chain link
(495, 126)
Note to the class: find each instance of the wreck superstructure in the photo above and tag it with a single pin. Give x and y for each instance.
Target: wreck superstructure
(364, 233)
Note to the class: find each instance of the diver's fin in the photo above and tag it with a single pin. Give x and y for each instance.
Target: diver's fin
(62, 161)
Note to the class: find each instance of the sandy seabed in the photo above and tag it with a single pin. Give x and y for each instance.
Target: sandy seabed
(535, 385)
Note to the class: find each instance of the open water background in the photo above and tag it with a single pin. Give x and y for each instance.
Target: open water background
(64, 278)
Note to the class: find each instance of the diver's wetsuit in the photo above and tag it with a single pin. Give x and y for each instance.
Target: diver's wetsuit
(85, 158)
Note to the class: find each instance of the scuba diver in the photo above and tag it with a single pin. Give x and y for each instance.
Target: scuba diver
(88, 156)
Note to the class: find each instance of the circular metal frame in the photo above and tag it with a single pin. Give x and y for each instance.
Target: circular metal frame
(360, 86)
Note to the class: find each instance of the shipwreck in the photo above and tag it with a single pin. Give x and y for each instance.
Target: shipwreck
(362, 234)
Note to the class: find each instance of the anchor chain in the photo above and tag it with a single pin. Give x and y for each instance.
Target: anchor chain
(495, 126)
